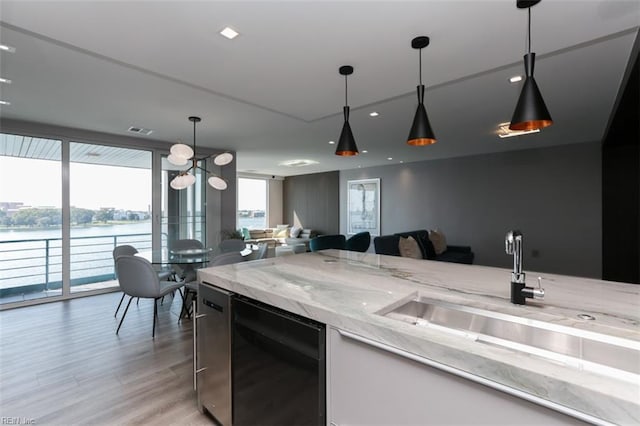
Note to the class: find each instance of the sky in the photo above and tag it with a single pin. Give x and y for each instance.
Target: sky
(38, 183)
(252, 194)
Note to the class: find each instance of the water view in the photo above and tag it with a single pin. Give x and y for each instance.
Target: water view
(31, 258)
(252, 222)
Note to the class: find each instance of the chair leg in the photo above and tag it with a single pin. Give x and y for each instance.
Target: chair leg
(184, 300)
(118, 308)
(186, 303)
(138, 301)
(155, 315)
(124, 315)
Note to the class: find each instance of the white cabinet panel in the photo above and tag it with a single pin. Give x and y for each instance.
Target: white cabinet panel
(370, 386)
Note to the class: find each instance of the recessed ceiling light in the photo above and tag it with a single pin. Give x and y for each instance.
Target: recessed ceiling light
(332, 142)
(364, 151)
(5, 80)
(515, 78)
(374, 114)
(505, 132)
(389, 158)
(229, 33)
(401, 161)
(5, 103)
(7, 48)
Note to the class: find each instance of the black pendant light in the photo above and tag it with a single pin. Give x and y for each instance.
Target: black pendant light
(346, 143)
(421, 133)
(531, 112)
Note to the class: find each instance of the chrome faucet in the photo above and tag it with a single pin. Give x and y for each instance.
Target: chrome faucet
(519, 291)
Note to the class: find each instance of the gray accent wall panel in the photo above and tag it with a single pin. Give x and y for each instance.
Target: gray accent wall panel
(275, 202)
(312, 201)
(553, 195)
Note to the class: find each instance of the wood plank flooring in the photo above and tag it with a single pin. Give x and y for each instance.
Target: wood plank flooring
(61, 363)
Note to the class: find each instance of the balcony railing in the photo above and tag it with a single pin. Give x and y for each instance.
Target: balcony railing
(35, 265)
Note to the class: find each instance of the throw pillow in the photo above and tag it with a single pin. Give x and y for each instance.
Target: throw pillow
(438, 240)
(295, 231)
(409, 248)
(246, 234)
(281, 233)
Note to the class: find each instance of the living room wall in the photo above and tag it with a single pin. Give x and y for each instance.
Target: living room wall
(553, 195)
(312, 201)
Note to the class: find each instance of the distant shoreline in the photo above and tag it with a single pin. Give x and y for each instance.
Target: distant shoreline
(84, 225)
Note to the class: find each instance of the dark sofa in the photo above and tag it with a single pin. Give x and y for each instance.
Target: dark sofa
(388, 244)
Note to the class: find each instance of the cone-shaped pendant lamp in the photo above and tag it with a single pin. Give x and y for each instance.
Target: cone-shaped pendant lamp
(531, 113)
(346, 143)
(421, 133)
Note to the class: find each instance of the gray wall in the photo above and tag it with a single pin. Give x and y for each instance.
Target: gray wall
(275, 203)
(553, 195)
(312, 201)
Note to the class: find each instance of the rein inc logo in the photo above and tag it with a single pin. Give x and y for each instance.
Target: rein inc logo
(17, 421)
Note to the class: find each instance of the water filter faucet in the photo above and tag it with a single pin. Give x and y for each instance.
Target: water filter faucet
(519, 291)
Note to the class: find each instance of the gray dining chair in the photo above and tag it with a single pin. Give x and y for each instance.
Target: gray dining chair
(127, 250)
(231, 245)
(186, 244)
(227, 259)
(187, 272)
(191, 288)
(124, 250)
(138, 279)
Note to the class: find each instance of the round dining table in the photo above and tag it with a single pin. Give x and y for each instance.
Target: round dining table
(192, 256)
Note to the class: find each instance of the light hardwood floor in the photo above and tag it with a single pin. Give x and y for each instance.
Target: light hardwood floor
(61, 363)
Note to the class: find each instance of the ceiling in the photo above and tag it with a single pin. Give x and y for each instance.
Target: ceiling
(274, 93)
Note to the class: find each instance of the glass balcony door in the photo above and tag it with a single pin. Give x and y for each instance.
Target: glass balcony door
(110, 199)
(30, 218)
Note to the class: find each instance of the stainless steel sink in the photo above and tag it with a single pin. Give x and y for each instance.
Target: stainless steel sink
(579, 348)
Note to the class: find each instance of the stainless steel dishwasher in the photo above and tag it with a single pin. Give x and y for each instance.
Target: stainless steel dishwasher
(212, 352)
(255, 364)
(278, 366)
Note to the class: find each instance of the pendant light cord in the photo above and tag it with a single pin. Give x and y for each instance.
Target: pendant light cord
(195, 161)
(194, 138)
(346, 100)
(420, 66)
(529, 32)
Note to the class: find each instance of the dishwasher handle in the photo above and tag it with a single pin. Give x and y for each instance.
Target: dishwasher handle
(195, 317)
(213, 305)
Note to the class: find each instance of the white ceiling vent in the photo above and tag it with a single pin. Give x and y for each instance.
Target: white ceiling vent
(140, 130)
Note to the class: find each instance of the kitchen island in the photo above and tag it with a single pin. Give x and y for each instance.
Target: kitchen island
(348, 291)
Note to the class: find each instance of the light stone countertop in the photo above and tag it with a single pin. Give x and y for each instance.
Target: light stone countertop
(345, 290)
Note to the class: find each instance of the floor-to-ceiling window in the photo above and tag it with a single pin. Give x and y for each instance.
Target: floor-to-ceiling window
(252, 203)
(110, 199)
(30, 218)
